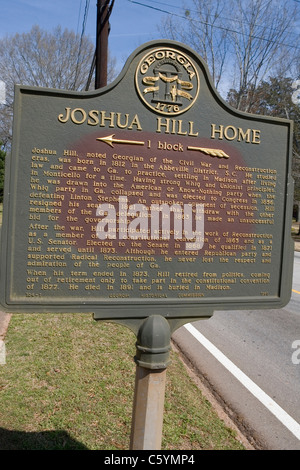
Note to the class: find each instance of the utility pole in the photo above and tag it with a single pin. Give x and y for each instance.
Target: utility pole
(99, 63)
(102, 43)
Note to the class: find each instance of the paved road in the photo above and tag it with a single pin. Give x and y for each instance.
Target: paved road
(260, 348)
(262, 345)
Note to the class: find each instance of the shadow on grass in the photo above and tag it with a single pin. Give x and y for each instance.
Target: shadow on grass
(48, 440)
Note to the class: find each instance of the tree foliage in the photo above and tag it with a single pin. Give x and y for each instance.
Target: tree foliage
(242, 41)
(198, 27)
(273, 97)
(264, 36)
(40, 58)
(59, 59)
(251, 46)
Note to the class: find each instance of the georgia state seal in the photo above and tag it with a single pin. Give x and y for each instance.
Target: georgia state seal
(167, 81)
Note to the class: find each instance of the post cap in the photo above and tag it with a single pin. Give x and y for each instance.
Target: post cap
(153, 343)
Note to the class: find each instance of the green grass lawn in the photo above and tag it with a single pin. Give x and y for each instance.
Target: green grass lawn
(68, 383)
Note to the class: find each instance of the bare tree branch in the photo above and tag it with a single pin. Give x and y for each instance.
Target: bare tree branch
(44, 59)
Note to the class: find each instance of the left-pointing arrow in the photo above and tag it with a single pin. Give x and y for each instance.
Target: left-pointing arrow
(110, 140)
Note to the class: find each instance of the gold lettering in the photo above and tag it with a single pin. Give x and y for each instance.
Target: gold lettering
(256, 137)
(165, 124)
(244, 135)
(76, 120)
(214, 131)
(67, 117)
(136, 122)
(109, 118)
(100, 118)
(235, 133)
(173, 126)
(122, 126)
(227, 133)
(191, 129)
(94, 117)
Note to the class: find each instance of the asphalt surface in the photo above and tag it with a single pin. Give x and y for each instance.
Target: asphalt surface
(5, 317)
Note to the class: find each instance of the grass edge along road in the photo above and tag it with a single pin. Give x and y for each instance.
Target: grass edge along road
(68, 383)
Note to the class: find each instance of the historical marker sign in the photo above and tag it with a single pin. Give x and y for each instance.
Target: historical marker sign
(148, 196)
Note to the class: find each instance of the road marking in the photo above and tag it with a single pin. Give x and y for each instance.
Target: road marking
(272, 406)
(296, 291)
(2, 352)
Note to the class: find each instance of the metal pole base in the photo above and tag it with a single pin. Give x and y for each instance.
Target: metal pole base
(148, 406)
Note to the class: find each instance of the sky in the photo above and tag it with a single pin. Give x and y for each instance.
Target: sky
(132, 24)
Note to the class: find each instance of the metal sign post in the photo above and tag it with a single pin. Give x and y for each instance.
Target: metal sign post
(148, 409)
(152, 359)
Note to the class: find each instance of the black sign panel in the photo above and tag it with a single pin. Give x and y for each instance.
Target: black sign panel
(148, 196)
